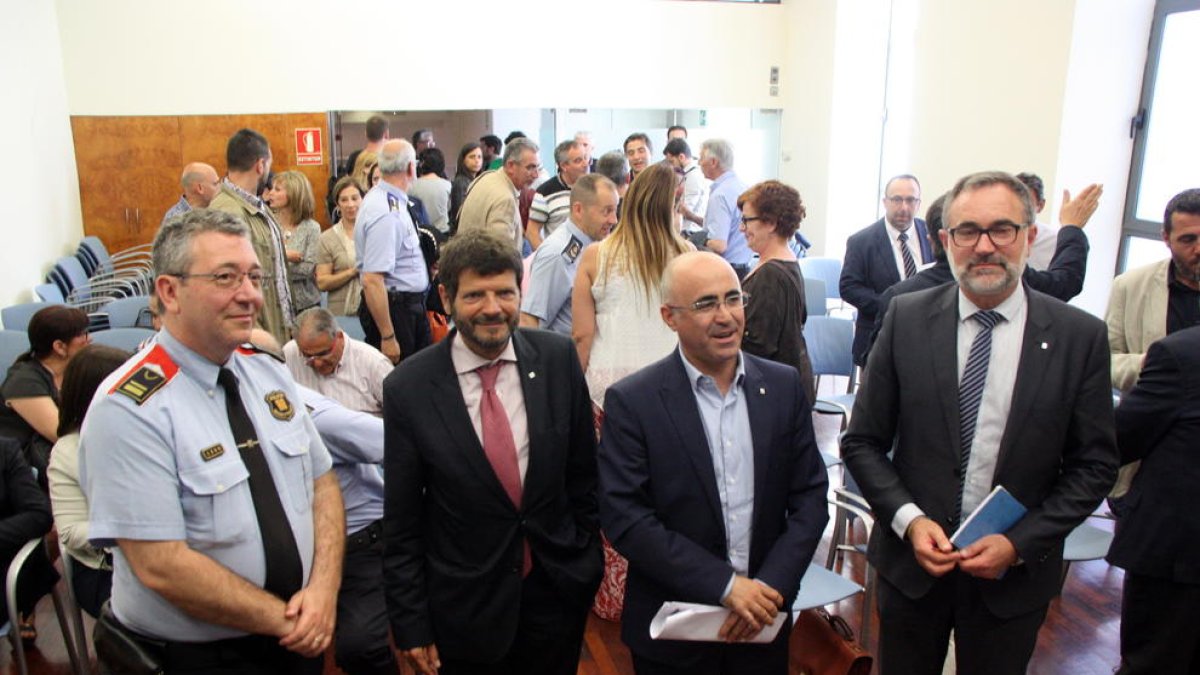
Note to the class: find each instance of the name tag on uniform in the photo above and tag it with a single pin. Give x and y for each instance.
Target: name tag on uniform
(212, 452)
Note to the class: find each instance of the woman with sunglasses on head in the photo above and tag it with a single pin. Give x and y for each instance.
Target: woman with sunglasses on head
(775, 315)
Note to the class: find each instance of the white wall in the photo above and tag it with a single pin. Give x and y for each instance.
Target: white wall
(37, 179)
(136, 57)
(1103, 86)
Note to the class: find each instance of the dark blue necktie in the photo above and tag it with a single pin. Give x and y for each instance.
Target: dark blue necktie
(970, 394)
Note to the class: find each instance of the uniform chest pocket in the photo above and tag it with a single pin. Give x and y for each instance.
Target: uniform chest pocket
(292, 457)
(216, 502)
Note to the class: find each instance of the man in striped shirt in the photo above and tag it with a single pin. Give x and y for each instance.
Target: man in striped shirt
(552, 203)
(328, 361)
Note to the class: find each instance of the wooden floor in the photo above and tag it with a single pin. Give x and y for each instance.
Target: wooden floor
(1080, 636)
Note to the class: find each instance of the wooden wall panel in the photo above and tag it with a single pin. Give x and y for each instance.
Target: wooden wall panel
(203, 139)
(129, 166)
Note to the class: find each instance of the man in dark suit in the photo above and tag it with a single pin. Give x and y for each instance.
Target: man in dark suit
(881, 254)
(492, 550)
(978, 385)
(711, 483)
(1158, 423)
(1063, 279)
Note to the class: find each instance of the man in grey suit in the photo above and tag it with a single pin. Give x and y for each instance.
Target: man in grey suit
(981, 384)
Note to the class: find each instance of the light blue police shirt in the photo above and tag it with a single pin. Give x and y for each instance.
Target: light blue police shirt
(158, 463)
(355, 442)
(386, 240)
(552, 276)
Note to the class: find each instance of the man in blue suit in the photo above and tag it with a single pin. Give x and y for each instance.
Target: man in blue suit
(711, 483)
(882, 254)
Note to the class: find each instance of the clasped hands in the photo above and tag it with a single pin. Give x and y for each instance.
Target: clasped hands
(752, 605)
(987, 558)
(310, 615)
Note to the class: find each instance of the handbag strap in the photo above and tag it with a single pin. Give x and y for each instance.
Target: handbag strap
(837, 623)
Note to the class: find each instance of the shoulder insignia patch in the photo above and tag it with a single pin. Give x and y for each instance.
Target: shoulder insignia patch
(251, 349)
(147, 376)
(573, 249)
(281, 407)
(212, 452)
(393, 202)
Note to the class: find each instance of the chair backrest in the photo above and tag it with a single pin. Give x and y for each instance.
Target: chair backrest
(828, 270)
(49, 293)
(13, 343)
(830, 341)
(122, 338)
(17, 317)
(814, 297)
(351, 326)
(72, 271)
(93, 248)
(131, 312)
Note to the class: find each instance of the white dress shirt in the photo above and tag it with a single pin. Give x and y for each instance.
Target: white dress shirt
(356, 382)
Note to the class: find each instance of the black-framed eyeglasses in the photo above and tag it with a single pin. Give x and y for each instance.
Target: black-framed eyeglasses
(228, 280)
(751, 219)
(710, 303)
(897, 200)
(1002, 234)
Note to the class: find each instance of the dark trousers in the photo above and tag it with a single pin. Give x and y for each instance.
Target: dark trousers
(408, 321)
(250, 655)
(1159, 632)
(90, 586)
(549, 636)
(361, 644)
(913, 634)
(732, 659)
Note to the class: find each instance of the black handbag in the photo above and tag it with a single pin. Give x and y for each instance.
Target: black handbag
(120, 650)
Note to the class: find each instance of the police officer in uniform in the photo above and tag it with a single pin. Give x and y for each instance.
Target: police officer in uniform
(394, 276)
(547, 302)
(205, 473)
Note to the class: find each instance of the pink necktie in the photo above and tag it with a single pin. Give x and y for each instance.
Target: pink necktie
(498, 443)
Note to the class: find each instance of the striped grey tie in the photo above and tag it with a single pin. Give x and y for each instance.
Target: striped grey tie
(910, 266)
(970, 393)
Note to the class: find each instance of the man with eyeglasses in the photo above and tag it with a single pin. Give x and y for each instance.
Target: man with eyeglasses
(970, 387)
(710, 481)
(323, 358)
(207, 478)
(889, 250)
(492, 198)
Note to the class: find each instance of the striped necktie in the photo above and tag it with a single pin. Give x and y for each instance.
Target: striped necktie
(910, 265)
(970, 393)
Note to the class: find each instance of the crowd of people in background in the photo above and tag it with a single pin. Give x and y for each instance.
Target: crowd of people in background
(646, 275)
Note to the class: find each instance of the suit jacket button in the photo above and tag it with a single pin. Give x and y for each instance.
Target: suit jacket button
(515, 569)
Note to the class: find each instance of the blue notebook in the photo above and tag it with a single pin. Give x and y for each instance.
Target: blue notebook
(998, 512)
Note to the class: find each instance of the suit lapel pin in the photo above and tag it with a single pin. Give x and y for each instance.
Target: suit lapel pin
(762, 391)
(1045, 345)
(532, 374)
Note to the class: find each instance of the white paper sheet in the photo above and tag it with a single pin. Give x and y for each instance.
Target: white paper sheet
(700, 623)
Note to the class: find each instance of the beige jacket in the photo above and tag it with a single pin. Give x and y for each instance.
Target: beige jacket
(491, 201)
(1136, 317)
(272, 318)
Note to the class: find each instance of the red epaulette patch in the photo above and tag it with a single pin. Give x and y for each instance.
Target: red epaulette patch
(147, 376)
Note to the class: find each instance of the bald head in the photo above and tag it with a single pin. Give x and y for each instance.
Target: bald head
(200, 184)
(687, 268)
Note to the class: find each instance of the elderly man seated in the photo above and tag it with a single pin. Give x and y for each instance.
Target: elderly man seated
(326, 360)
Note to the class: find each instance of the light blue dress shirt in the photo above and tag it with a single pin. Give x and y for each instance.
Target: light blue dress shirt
(386, 240)
(355, 442)
(552, 276)
(723, 219)
(167, 469)
(726, 422)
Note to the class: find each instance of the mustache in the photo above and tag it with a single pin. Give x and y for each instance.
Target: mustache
(990, 259)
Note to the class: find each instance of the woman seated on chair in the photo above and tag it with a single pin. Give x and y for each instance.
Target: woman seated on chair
(24, 515)
(29, 414)
(771, 213)
(92, 572)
